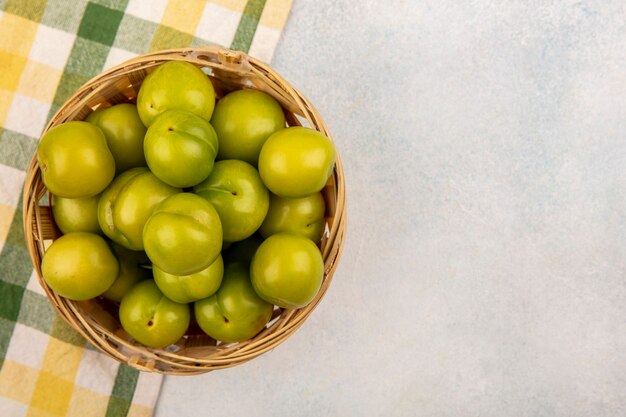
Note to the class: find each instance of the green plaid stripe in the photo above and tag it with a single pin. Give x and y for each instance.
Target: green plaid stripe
(14, 259)
(134, 34)
(166, 37)
(247, 25)
(122, 395)
(100, 24)
(31, 10)
(16, 149)
(37, 312)
(16, 269)
(58, 15)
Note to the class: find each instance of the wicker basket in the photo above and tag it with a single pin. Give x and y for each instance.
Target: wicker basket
(97, 319)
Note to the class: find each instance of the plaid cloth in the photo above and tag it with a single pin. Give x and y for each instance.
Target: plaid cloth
(48, 48)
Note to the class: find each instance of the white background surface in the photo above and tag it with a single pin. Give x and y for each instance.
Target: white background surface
(485, 267)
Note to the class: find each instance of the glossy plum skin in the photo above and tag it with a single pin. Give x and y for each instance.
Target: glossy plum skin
(184, 234)
(125, 206)
(190, 288)
(296, 162)
(235, 312)
(243, 120)
(124, 133)
(287, 270)
(180, 148)
(236, 191)
(151, 318)
(75, 160)
(175, 85)
(79, 266)
(76, 214)
(299, 216)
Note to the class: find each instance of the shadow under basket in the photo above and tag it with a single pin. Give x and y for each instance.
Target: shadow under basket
(97, 319)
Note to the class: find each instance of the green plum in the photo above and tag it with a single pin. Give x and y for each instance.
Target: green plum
(180, 148)
(242, 251)
(75, 160)
(79, 266)
(175, 85)
(76, 214)
(125, 206)
(132, 270)
(296, 162)
(235, 313)
(124, 133)
(184, 234)
(190, 288)
(287, 270)
(236, 191)
(243, 120)
(300, 216)
(151, 318)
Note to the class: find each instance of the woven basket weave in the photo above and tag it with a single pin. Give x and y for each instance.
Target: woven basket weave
(97, 319)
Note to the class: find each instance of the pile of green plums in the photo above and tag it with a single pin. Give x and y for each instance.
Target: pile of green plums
(183, 206)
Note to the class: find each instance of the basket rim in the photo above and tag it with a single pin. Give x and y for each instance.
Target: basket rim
(149, 359)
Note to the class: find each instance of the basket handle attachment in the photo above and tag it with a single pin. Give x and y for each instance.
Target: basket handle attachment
(233, 60)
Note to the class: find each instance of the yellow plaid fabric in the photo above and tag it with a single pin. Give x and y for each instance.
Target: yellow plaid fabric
(48, 48)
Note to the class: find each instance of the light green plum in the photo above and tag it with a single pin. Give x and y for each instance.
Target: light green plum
(75, 160)
(124, 133)
(243, 120)
(132, 270)
(125, 206)
(190, 288)
(79, 266)
(236, 191)
(175, 85)
(184, 234)
(296, 162)
(180, 148)
(151, 318)
(235, 313)
(76, 214)
(287, 270)
(300, 216)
